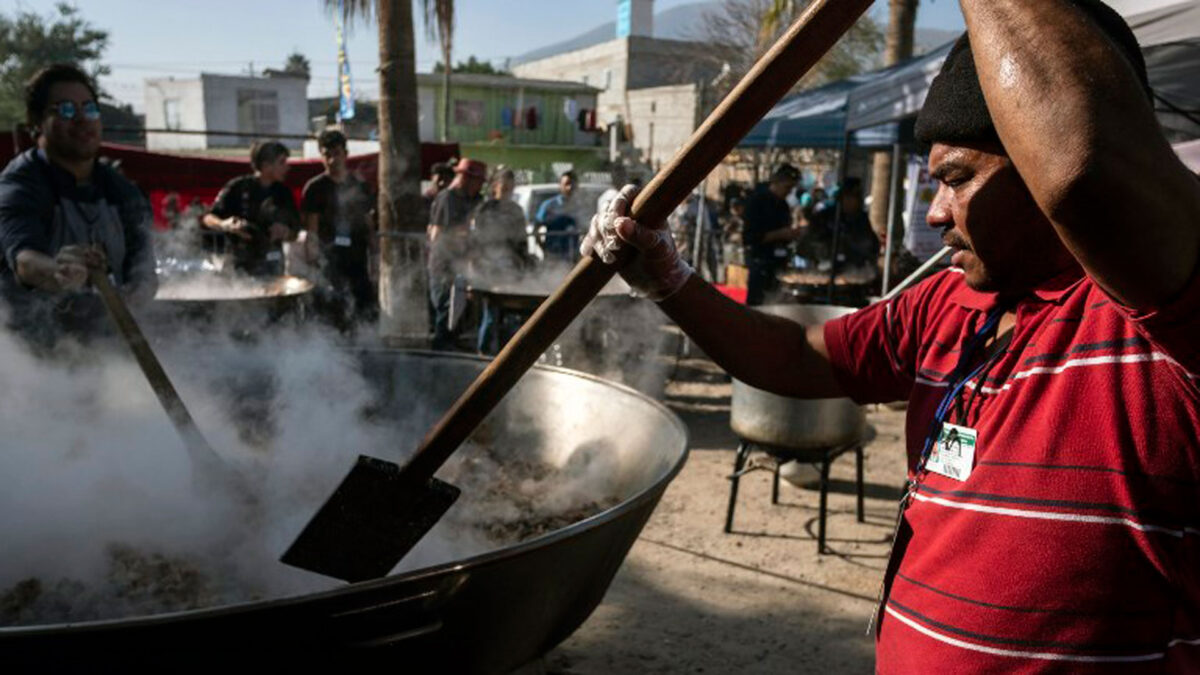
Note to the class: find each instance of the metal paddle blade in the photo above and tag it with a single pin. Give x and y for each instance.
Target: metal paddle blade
(373, 519)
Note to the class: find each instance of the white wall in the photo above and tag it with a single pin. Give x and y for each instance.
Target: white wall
(190, 97)
(221, 107)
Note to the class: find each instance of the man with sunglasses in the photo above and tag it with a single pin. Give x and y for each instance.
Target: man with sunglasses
(1051, 521)
(64, 214)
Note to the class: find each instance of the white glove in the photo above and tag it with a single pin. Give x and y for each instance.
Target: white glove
(657, 272)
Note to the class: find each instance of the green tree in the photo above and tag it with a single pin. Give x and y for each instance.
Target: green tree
(473, 65)
(29, 41)
(298, 64)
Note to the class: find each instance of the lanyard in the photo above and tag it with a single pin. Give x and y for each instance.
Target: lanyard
(958, 381)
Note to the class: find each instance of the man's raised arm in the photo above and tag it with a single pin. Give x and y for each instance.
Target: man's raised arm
(1076, 119)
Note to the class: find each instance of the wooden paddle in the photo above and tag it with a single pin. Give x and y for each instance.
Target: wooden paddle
(381, 510)
(203, 457)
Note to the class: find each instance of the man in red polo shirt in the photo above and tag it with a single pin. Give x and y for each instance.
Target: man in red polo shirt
(1052, 519)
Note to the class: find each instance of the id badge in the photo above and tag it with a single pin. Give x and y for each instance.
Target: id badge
(342, 240)
(953, 456)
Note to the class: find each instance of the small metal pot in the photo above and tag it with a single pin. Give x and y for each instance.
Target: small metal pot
(762, 417)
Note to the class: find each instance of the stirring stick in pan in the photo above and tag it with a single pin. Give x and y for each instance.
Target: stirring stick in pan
(381, 510)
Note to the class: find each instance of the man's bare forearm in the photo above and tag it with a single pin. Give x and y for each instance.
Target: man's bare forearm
(768, 352)
(1074, 118)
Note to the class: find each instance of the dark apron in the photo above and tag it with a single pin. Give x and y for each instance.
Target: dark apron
(47, 317)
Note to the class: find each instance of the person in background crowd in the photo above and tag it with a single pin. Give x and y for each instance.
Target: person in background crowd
(449, 234)
(768, 231)
(64, 215)
(498, 251)
(559, 218)
(684, 224)
(257, 213)
(441, 174)
(857, 244)
(1060, 351)
(619, 178)
(732, 230)
(336, 208)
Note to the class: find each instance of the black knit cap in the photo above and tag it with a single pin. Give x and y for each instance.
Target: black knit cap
(955, 110)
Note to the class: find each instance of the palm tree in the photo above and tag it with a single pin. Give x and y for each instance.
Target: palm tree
(401, 276)
(439, 23)
(902, 21)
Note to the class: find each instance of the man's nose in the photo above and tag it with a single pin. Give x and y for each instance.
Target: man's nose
(939, 215)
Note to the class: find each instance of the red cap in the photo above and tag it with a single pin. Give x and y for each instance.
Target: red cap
(471, 167)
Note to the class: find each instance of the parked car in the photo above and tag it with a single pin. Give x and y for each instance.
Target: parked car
(531, 198)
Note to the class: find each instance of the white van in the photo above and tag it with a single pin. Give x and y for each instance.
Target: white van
(531, 197)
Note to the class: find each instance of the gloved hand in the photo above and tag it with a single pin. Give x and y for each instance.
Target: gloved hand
(658, 271)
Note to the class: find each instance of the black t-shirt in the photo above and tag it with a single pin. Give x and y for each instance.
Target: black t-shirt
(341, 209)
(246, 197)
(765, 213)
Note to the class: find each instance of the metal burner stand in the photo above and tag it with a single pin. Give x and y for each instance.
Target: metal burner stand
(822, 458)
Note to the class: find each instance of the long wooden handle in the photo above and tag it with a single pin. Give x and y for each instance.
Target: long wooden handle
(193, 440)
(793, 55)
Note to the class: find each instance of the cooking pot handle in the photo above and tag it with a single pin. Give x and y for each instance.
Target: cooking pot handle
(380, 624)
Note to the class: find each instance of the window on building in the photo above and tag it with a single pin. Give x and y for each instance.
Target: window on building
(171, 114)
(258, 111)
(468, 113)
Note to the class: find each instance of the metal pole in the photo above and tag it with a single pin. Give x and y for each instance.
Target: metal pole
(915, 276)
(701, 228)
(891, 217)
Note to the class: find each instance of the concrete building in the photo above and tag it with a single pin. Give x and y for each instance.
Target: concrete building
(248, 107)
(655, 88)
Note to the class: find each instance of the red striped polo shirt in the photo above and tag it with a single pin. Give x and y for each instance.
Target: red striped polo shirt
(1074, 544)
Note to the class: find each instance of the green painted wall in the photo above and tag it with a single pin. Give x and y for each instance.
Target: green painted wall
(539, 159)
(553, 126)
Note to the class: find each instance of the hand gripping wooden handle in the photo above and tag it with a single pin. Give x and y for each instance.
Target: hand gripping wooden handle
(195, 443)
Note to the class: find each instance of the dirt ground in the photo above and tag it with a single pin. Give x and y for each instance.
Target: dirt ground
(692, 599)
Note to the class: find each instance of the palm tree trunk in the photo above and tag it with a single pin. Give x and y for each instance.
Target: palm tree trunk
(401, 273)
(902, 19)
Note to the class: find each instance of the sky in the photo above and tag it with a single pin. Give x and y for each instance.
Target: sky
(181, 38)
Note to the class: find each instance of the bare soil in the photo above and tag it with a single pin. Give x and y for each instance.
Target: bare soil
(692, 599)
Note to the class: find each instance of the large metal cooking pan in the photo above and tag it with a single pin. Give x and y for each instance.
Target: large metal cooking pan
(762, 417)
(485, 614)
(231, 303)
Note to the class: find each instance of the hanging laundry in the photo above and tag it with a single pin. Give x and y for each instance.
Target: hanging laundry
(531, 117)
(591, 120)
(581, 120)
(506, 117)
(570, 108)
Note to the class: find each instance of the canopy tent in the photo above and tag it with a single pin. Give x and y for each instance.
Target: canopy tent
(1168, 30)
(896, 96)
(1157, 22)
(815, 119)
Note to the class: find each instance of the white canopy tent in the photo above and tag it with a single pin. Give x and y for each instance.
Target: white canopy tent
(1157, 22)
(1168, 30)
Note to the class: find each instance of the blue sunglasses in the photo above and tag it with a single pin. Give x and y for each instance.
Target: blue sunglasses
(67, 110)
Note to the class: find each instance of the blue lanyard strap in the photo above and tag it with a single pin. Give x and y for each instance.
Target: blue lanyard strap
(958, 381)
